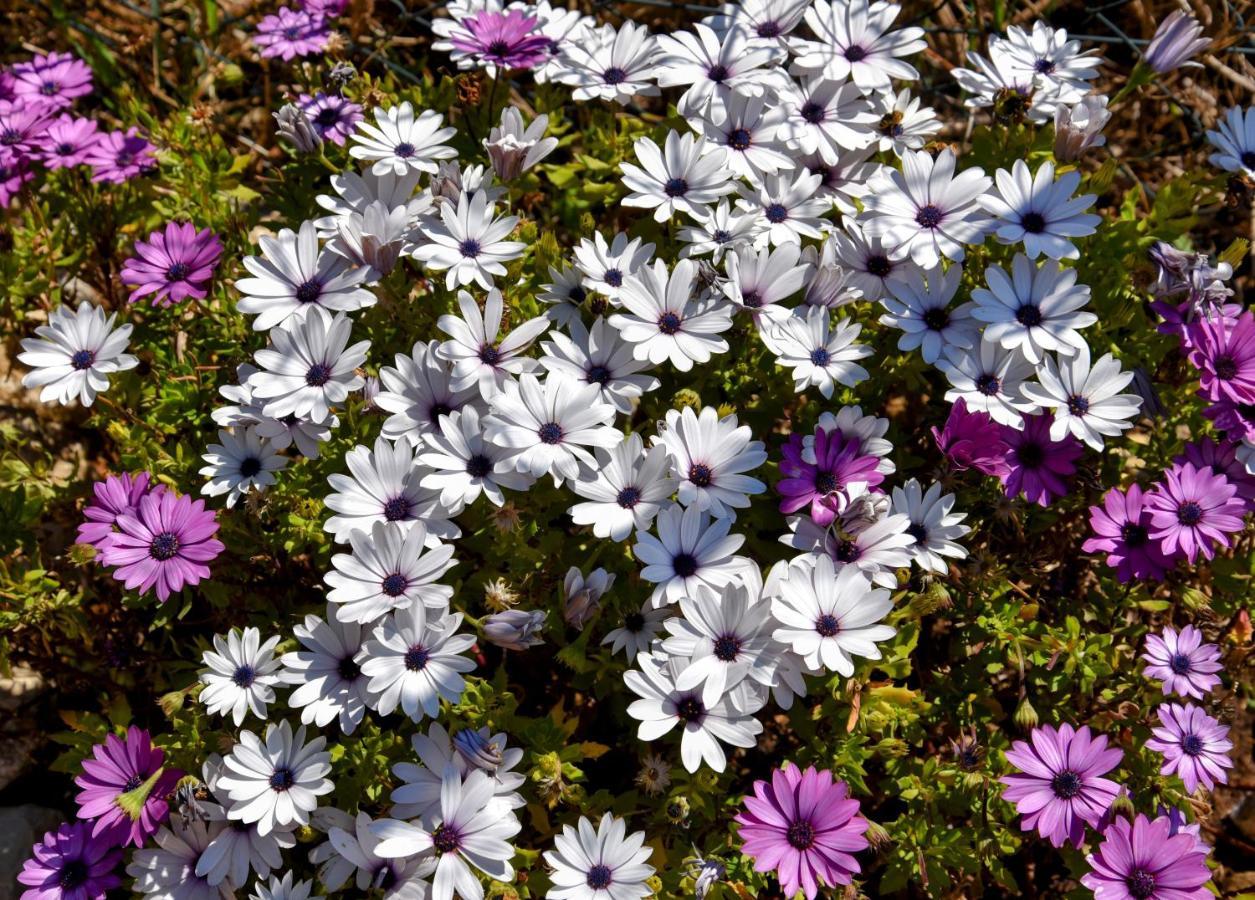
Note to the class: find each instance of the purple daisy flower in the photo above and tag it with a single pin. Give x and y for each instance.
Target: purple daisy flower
(173, 264)
(501, 39)
(53, 80)
(1192, 510)
(1222, 459)
(1059, 788)
(70, 864)
(14, 172)
(1121, 529)
(1179, 825)
(332, 117)
(836, 474)
(22, 126)
(1224, 354)
(165, 543)
(124, 788)
(803, 826)
(119, 156)
(116, 495)
(291, 32)
(1236, 420)
(1186, 666)
(67, 142)
(1144, 860)
(972, 440)
(1194, 745)
(328, 8)
(1036, 466)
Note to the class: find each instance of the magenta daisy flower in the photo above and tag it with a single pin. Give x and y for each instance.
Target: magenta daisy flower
(124, 788)
(67, 142)
(835, 475)
(1194, 745)
(1121, 529)
(291, 32)
(1059, 788)
(1038, 467)
(119, 156)
(22, 127)
(173, 264)
(70, 864)
(1186, 666)
(53, 80)
(803, 826)
(1192, 510)
(328, 8)
(332, 117)
(112, 497)
(14, 172)
(1236, 420)
(165, 544)
(1222, 459)
(1224, 354)
(972, 440)
(1144, 860)
(501, 39)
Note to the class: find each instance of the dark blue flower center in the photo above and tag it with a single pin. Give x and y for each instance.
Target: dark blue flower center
(628, 497)
(1179, 663)
(1066, 784)
(348, 669)
(820, 356)
(133, 782)
(416, 658)
(827, 625)
(614, 75)
(244, 676)
(73, 874)
(718, 73)
(292, 32)
(1192, 745)
(318, 375)
(83, 359)
(164, 546)
(597, 375)
(489, 355)
(634, 622)
(445, 839)
(1033, 222)
(1226, 368)
(613, 277)
(847, 552)
(1078, 405)
(599, 877)
(879, 265)
(826, 482)
(1134, 535)
(394, 585)
(397, 509)
(1189, 513)
(327, 116)
(281, 779)
(937, 318)
(988, 384)
(478, 466)
(124, 158)
(918, 531)
(854, 53)
(65, 148)
(684, 564)
(700, 475)
(769, 29)
(675, 187)
(177, 272)
(1030, 455)
(690, 709)
(800, 835)
(1141, 884)
(470, 248)
(250, 466)
(404, 150)
(1044, 66)
(728, 647)
(812, 112)
(550, 433)
(739, 139)
(669, 323)
(498, 49)
(752, 299)
(308, 291)
(929, 216)
(1028, 315)
(776, 213)
(721, 237)
(49, 88)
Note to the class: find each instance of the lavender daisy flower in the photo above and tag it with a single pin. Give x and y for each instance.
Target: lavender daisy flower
(1059, 789)
(1145, 860)
(1192, 510)
(1121, 529)
(332, 116)
(972, 440)
(1186, 666)
(290, 33)
(836, 473)
(67, 142)
(803, 825)
(22, 127)
(70, 864)
(1223, 351)
(52, 81)
(14, 172)
(1037, 466)
(1194, 745)
(1222, 459)
(165, 544)
(119, 156)
(1175, 43)
(124, 788)
(115, 496)
(494, 39)
(173, 264)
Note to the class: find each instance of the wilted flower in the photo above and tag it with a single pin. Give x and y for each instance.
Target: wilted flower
(1175, 43)
(515, 629)
(655, 775)
(972, 440)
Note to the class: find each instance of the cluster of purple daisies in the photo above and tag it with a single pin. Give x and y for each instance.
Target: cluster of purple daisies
(303, 31)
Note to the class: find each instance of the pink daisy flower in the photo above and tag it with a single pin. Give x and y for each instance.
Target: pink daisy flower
(1194, 745)
(53, 80)
(173, 264)
(1121, 529)
(1192, 510)
(1186, 666)
(124, 788)
(165, 544)
(1036, 466)
(119, 156)
(290, 33)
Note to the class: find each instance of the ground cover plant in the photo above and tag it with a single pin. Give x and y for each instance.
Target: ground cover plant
(766, 450)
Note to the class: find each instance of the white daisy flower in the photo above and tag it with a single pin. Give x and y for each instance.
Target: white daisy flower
(599, 357)
(1086, 401)
(759, 281)
(612, 64)
(638, 631)
(709, 456)
(389, 568)
(168, 869)
(327, 672)
(1047, 53)
(606, 864)
(933, 526)
(414, 661)
(990, 379)
(828, 283)
(417, 392)
(238, 849)
(787, 207)
(1036, 310)
(384, 486)
(922, 313)
(926, 211)
(664, 322)
(479, 356)
(241, 462)
(1040, 211)
(514, 148)
(349, 852)
(1011, 91)
(663, 706)
(820, 354)
(826, 117)
(418, 796)
(293, 276)
(855, 41)
(400, 143)
(276, 781)
(829, 615)
(242, 675)
(566, 295)
(903, 124)
(868, 431)
(770, 21)
(73, 354)
(721, 229)
(1234, 140)
(627, 491)
(284, 889)
(716, 68)
(565, 28)
(877, 545)
(606, 267)
(469, 241)
(308, 367)
(355, 193)
(246, 411)
(690, 549)
(745, 132)
(871, 269)
(682, 176)
(844, 184)
(464, 464)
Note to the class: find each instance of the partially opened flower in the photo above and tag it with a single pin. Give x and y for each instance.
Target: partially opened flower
(124, 786)
(972, 440)
(112, 497)
(1177, 40)
(513, 148)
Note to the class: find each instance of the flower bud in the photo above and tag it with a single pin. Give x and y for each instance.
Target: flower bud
(1025, 715)
(478, 749)
(1175, 43)
(1079, 127)
(515, 629)
(294, 126)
